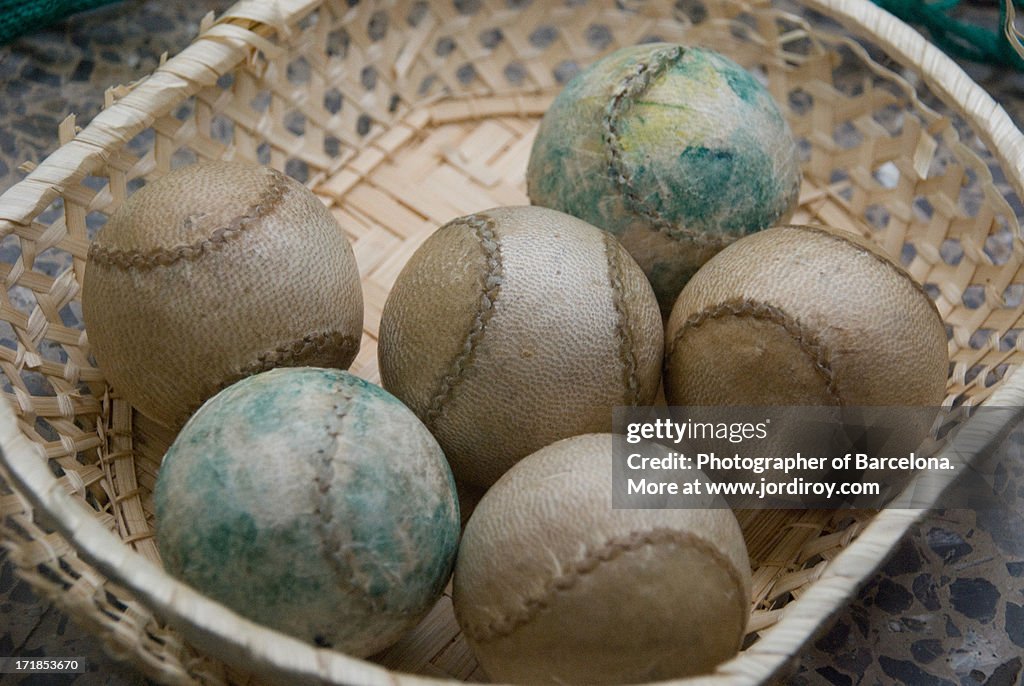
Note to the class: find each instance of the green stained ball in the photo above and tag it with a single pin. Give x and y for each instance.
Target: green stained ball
(677, 151)
(313, 502)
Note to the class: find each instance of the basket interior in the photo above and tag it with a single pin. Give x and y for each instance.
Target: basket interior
(404, 115)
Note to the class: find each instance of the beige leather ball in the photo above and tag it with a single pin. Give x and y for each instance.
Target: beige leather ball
(553, 585)
(212, 273)
(512, 328)
(800, 315)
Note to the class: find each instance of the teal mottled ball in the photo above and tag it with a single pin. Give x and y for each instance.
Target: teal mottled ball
(313, 502)
(677, 151)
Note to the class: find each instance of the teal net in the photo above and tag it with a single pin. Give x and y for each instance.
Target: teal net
(962, 40)
(18, 17)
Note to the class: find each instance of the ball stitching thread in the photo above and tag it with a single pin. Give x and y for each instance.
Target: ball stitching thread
(631, 87)
(483, 226)
(623, 329)
(284, 355)
(817, 351)
(339, 557)
(338, 549)
(163, 257)
(593, 559)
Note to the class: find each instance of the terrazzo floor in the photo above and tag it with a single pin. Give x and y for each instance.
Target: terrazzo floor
(947, 609)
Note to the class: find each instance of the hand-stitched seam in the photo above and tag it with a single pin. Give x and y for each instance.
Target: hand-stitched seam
(333, 544)
(628, 90)
(592, 560)
(301, 348)
(285, 355)
(623, 325)
(338, 543)
(817, 351)
(163, 257)
(483, 226)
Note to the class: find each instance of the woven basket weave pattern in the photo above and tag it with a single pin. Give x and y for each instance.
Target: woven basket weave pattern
(402, 116)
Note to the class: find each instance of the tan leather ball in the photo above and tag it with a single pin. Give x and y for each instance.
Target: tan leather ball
(553, 585)
(212, 273)
(512, 328)
(799, 315)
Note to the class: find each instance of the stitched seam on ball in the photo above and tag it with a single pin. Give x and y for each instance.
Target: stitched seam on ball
(881, 258)
(338, 549)
(328, 532)
(284, 355)
(630, 88)
(298, 349)
(818, 353)
(483, 226)
(623, 328)
(592, 560)
(163, 257)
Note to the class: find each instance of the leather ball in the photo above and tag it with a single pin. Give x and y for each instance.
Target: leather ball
(553, 585)
(214, 272)
(313, 502)
(512, 328)
(800, 315)
(675, 150)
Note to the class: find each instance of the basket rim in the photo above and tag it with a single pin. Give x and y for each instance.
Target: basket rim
(225, 44)
(986, 117)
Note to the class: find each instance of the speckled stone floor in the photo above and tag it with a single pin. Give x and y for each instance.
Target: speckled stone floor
(947, 609)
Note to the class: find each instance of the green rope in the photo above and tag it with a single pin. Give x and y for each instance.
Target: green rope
(18, 17)
(958, 39)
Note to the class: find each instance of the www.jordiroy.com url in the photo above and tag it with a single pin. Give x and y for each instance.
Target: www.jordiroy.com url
(760, 489)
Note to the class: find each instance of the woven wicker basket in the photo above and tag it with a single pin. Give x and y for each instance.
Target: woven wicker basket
(401, 116)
